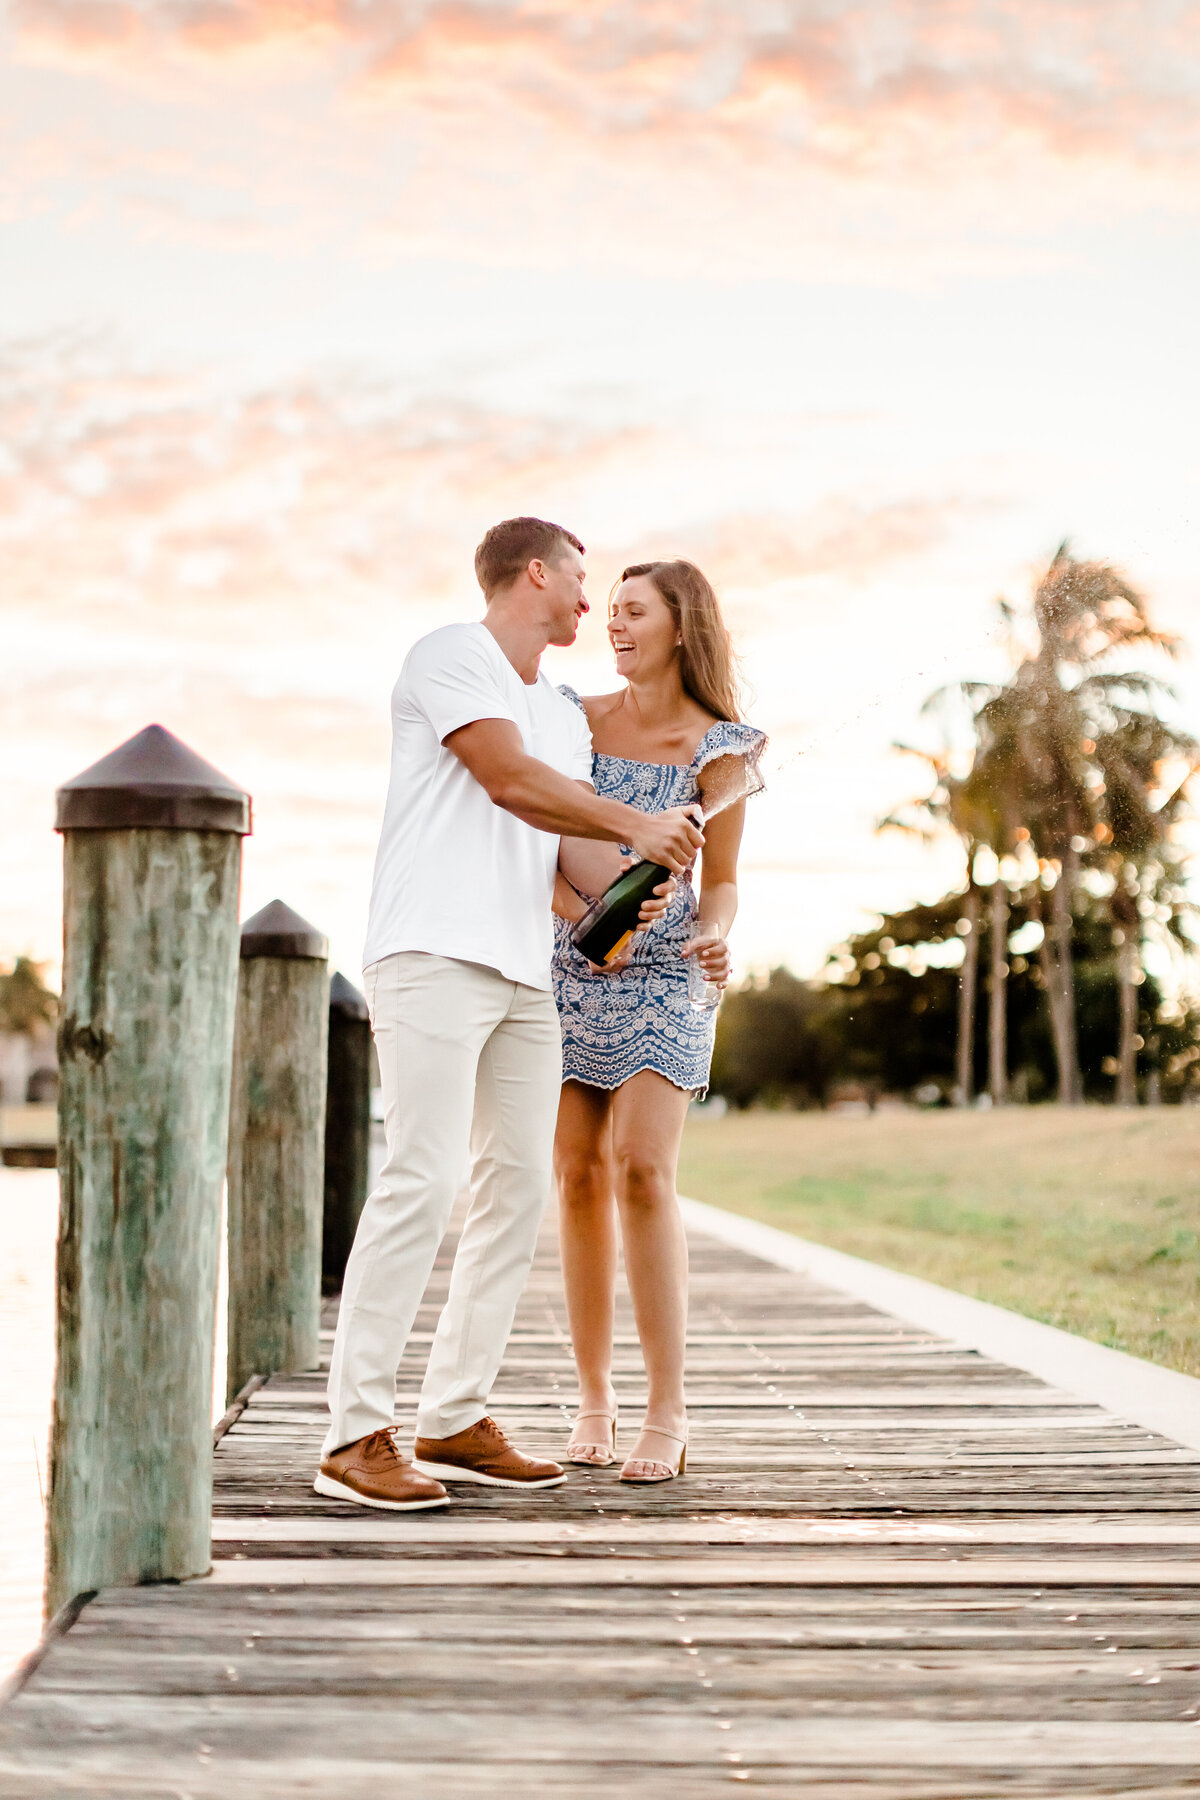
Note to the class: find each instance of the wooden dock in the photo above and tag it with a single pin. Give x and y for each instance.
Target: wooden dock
(894, 1569)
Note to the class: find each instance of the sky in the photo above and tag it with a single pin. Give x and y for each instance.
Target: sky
(863, 306)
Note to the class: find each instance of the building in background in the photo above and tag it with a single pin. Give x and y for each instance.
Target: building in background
(28, 1067)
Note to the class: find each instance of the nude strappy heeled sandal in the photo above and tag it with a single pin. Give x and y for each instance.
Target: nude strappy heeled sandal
(595, 1456)
(656, 1469)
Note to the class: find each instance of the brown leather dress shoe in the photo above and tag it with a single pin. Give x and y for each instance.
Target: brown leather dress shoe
(482, 1453)
(372, 1472)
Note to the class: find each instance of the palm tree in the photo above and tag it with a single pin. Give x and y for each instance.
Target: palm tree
(984, 807)
(1050, 794)
(925, 817)
(1136, 752)
(993, 794)
(1084, 614)
(1036, 782)
(980, 807)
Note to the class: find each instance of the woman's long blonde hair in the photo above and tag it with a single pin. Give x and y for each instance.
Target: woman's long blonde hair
(708, 668)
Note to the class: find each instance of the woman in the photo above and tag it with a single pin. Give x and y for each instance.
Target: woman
(635, 1049)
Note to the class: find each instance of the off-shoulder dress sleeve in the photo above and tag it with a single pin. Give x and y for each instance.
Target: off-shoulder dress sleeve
(742, 745)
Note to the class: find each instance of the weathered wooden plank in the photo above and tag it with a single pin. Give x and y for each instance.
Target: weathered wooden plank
(900, 1336)
(585, 1778)
(271, 1432)
(513, 1571)
(219, 1600)
(1019, 1559)
(1082, 1620)
(507, 1533)
(1150, 1466)
(854, 1683)
(985, 1397)
(105, 1727)
(711, 1501)
(966, 1424)
(936, 1357)
(806, 1361)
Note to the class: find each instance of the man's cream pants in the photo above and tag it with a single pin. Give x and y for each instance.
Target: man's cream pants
(468, 1061)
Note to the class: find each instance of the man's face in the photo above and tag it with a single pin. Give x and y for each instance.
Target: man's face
(563, 591)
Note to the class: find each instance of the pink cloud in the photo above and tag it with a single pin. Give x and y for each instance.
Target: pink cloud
(161, 506)
(847, 537)
(849, 87)
(863, 140)
(130, 496)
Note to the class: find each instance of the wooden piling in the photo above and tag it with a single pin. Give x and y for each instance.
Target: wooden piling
(347, 1126)
(276, 1147)
(152, 858)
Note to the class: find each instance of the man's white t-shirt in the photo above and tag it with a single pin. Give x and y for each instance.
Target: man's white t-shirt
(455, 874)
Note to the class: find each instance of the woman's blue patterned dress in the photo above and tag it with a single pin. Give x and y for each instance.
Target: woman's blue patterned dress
(614, 1025)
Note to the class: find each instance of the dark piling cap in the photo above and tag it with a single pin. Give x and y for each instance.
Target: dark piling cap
(345, 998)
(152, 782)
(278, 931)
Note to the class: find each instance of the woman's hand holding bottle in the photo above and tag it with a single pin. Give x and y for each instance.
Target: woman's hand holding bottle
(654, 908)
(655, 905)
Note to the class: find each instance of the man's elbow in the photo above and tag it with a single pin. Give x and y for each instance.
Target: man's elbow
(511, 785)
(506, 789)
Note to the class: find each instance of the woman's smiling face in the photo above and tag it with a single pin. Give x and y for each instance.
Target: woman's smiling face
(641, 629)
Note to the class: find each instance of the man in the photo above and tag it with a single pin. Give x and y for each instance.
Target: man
(490, 764)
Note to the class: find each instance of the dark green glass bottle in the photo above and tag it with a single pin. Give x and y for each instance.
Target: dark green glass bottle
(609, 922)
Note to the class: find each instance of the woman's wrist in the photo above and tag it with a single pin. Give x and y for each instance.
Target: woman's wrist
(569, 903)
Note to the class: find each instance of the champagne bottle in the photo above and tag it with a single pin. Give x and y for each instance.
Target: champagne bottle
(609, 922)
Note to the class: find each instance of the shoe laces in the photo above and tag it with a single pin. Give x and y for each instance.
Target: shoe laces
(382, 1443)
(493, 1430)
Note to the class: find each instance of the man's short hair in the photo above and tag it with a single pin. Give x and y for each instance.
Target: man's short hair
(511, 546)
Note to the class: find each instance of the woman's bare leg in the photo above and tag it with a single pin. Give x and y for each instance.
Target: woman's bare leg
(647, 1125)
(588, 1244)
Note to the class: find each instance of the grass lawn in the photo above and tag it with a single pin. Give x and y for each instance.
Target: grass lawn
(1089, 1220)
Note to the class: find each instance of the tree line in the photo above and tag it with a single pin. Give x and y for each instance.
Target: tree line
(1065, 784)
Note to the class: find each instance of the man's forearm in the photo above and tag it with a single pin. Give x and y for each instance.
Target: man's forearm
(540, 796)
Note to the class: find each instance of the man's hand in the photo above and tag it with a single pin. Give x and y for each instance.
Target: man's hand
(671, 838)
